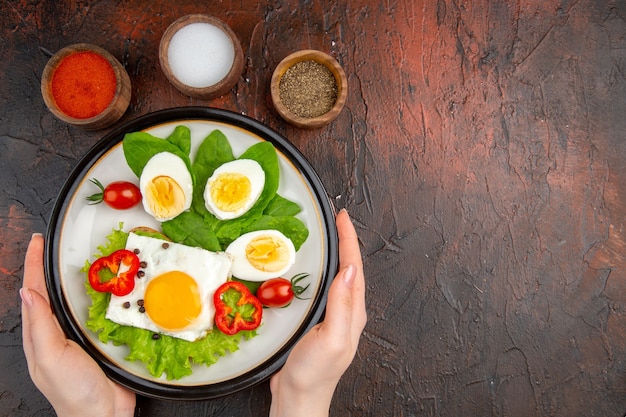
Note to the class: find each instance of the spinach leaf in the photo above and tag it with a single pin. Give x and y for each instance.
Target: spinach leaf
(280, 206)
(265, 154)
(139, 147)
(199, 227)
(190, 229)
(181, 137)
(228, 230)
(290, 226)
(214, 151)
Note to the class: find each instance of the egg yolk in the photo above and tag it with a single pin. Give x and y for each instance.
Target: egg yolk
(230, 191)
(172, 300)
(165, 197)
(267, 253)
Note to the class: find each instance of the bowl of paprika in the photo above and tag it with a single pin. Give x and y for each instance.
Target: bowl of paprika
(85, 86)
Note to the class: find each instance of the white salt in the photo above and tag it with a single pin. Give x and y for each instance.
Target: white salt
(200, 55)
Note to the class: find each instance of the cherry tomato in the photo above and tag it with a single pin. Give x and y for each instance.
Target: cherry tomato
(275, 292)
(279, 292)
(119, 195)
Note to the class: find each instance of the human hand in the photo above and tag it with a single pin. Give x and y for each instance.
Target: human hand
(68, 377)
(305, 385)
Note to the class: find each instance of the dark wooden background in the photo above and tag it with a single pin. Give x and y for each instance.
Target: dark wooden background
(481, 154)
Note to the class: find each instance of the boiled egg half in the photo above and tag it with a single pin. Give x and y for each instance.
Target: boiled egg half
(174, 288)
(233, 188)
(261, 255)
(166, 186)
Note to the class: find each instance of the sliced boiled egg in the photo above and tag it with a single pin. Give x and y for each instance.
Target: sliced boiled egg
(261, 255)
(233, 188)
(174, 289)
(166, 186)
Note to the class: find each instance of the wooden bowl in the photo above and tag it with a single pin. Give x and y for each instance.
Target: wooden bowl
(117, 106)
(340, 79)
(205, 92)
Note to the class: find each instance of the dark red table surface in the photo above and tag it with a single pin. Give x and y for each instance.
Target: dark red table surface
(481, 154)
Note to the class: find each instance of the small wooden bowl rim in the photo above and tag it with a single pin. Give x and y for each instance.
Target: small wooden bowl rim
(116, 108)
(217, 89)
(334, 67)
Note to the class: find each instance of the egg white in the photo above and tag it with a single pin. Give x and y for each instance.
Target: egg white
(169, 165)
(243, 269)
(209, 270)
(249, 168)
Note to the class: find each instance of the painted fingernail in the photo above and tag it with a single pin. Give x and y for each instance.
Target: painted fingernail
(26, 296)
(348, 275)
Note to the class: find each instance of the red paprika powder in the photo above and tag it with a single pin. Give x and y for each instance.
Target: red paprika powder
(83, 84)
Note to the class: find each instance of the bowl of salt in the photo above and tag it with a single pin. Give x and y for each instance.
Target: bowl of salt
(201, 56)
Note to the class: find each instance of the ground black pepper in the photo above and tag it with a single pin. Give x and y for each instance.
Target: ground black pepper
(308, 89)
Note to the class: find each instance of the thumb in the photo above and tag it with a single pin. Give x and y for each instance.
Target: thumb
(41, 333)
(338, 319)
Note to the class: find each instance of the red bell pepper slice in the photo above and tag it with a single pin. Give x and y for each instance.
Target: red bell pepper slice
(233, 300)
(121, 284)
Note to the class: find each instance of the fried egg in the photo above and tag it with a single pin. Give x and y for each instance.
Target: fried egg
(174, 288)
(261, 255)
(233, 188)
(166, 186)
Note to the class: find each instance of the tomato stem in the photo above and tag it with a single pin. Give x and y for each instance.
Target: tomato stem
(98, 197)
(297, 289)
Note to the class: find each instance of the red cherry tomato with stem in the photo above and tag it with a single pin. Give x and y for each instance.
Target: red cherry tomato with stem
(120, 195)
(279, 292)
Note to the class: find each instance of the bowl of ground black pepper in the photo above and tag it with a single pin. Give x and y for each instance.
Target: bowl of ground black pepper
(85, 86)
(309, 88)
